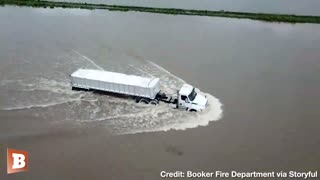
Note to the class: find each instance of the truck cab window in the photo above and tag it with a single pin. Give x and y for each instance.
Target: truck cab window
(183, 98)
(192, 95)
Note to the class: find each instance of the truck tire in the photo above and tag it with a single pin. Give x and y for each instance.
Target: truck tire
(137, 99)
(193, 110)
(154, 102)
(146, 101)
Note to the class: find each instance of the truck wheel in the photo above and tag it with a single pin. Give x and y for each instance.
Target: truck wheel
(154, 102)
(75, 89)
(193, 110)
(144, 101)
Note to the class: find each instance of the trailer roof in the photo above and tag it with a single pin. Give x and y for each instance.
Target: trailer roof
(114, 77)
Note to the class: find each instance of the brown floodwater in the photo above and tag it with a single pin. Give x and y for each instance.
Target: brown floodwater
(262, 80)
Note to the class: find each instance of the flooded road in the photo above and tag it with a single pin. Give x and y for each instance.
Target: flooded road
(262, 78)
(42, 87)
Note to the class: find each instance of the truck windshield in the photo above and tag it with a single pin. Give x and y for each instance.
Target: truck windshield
(192, 95)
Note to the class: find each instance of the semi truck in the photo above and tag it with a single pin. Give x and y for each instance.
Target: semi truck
(142, 89)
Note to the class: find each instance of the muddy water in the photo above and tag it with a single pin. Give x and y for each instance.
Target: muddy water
(310, 7)
(41, 88)
(263, 78)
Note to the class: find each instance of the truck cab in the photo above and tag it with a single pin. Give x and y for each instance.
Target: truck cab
(190, 99)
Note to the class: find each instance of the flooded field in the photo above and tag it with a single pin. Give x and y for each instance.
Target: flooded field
(262, 80)
(42, 87)
(310, 7)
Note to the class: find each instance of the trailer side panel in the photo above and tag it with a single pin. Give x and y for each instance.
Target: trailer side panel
(116, 83)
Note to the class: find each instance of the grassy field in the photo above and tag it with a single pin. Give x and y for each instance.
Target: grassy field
(242, 15)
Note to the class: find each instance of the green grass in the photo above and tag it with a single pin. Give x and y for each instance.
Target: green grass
(241, 15)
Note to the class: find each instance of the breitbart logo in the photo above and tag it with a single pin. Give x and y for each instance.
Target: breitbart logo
(17, 161)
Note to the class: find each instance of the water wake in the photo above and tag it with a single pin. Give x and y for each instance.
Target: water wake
(41, 105)
(88, 59)
(131, 118)
(164, 70)
(49, 97)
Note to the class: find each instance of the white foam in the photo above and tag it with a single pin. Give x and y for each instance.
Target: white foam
(186, 120)
(42, 105)
(141, 118)
(213, 113)
(121, 116)
(61, 89)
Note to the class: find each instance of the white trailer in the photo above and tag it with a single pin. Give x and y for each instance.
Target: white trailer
(141, 88)
(116, 83)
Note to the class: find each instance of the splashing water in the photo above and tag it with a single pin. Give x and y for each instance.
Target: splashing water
(118, 115)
